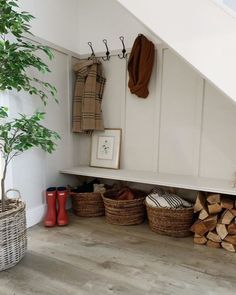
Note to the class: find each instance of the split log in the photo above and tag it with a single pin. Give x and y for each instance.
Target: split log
(203, 213)
(213, 244)
(216, 224)
(231, 239)
(214, 208)
(200, 240)
(199, 228)
(211, 222)
(221, 230)
(227, 203)
(200, 202)
(229, 247)
(226, 217)
(213, 198)
(232, 228)
(213, 236)
(233, 211)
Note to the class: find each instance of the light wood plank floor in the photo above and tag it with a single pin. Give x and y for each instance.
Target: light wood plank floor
(92, 257)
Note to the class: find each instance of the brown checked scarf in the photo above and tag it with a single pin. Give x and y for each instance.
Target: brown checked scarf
(89, 87)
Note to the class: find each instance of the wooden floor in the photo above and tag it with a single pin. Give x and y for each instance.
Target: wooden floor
(92, 257)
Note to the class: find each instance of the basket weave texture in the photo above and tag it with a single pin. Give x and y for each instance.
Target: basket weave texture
(13, 234)
(87, 204)
(124, 212)
(170, 221)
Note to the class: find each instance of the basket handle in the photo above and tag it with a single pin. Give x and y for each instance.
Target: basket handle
(14, 190)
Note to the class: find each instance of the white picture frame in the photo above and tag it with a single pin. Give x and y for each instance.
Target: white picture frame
(105, 148)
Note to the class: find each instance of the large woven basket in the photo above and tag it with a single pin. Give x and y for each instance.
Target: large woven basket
(124, 212)
(170, 221)
(87, 204)
(13, 235)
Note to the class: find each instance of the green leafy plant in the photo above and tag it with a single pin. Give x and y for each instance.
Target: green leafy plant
(18, 55)
(21, 134)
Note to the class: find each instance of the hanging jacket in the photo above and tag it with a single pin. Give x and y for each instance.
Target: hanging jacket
(89, 87)
(140, 66)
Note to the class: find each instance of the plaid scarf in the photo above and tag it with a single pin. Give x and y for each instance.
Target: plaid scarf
(89, 87)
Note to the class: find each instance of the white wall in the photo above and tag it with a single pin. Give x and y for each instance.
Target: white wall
(179, 129)
(176, 129)
(56, 21)
(34, 171)
(106, 19)
(71, 24)
(185, 126)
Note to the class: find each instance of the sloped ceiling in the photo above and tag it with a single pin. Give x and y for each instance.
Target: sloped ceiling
(200, 31)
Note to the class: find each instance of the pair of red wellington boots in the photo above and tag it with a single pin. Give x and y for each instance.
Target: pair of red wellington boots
(53, 196)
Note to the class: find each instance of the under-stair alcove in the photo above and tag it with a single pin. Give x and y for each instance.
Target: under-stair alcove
(149, 223)
(179, 136)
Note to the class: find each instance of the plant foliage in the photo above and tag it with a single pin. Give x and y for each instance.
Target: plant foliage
(18, 54)
(21, 134)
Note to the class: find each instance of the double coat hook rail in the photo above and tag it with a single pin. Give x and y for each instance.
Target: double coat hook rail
(108, 54)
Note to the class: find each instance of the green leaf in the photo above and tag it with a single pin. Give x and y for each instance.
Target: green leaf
(3, 113)
(26, 132)
(13, 4)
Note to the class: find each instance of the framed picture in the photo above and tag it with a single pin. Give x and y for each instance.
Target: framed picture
(105, 150)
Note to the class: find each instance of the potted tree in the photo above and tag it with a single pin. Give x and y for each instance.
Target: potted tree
(17, 55)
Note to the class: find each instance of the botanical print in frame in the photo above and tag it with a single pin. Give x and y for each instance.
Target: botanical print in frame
(105, 150)
(105, 147)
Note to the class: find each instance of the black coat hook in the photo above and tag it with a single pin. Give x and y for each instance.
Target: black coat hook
(124, 54)
(91, 47)
(107, 57)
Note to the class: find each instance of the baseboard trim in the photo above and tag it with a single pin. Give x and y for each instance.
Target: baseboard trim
(35, 215)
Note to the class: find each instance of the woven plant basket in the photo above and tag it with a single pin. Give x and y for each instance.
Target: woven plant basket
(87, 204)
(169, 221)
(124, 212)
(13, 235)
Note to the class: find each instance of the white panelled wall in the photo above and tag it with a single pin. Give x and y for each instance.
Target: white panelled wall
(185, 126)
(181, 104)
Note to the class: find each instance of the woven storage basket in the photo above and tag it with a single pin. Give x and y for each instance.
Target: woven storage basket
(87, 204)
(170, 221)
(13, 235)
(124, 212)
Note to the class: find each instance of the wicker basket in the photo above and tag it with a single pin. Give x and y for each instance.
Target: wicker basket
(13, 235)
(87, 204)
(170, 221)
(124, 212)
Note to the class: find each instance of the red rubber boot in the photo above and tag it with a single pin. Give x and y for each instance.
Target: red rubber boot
(51, 216)
(62, 217)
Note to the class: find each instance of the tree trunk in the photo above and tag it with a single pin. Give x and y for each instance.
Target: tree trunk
(3, 186)
(3, 194)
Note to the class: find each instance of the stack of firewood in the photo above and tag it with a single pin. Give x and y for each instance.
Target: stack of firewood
(216, 224)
